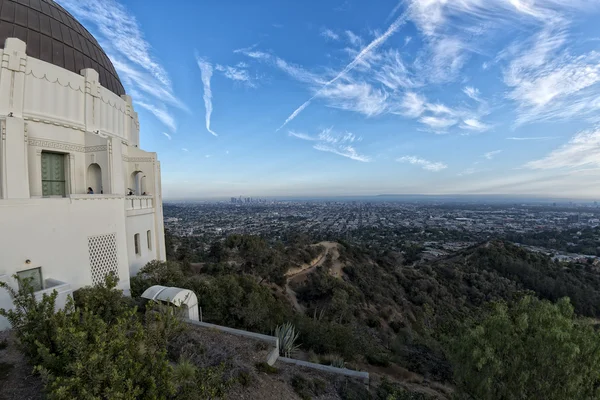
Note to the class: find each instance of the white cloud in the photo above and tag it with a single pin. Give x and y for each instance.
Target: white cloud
(238, 73)
(121, 32)
(359, 97)
(206, 73)
(334, 142)
(438, 124)
(161, 113)
(329, 34)
(120, 35)
(582, 150)
(473, 124)
(412, 105)
(302, 136)
(491, 154)
(184, 149)
(345, 151)
(531, 137)
(378, 41)
(425, 164)
(393, 73)
(167, 135)
(354, 39)
(472, 92)
(446, 59)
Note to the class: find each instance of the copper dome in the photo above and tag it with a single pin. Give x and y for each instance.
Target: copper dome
(55, 36)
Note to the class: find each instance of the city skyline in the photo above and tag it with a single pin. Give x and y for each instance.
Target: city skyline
(350, 98)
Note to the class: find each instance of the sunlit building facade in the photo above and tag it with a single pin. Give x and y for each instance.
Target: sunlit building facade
(78, 197)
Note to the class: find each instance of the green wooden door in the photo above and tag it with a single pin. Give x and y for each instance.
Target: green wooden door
(53, 174)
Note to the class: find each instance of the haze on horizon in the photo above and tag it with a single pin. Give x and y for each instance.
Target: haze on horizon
(352, 98)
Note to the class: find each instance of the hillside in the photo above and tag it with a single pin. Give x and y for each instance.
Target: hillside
(379, 311)
(389, 313)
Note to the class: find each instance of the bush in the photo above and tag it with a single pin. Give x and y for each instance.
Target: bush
(166, 273)
(103, 300)
(32, 321)
(104, 348)
(266, 368)
(306, 388)
(531, 349)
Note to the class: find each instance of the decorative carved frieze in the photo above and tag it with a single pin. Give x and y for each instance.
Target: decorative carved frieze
(92, 149)
(138, 159)
(56, 145)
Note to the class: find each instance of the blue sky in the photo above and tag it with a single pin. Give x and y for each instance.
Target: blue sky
(342, 97)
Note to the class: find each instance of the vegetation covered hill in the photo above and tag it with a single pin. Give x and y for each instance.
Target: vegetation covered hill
(382, 311)
(490, 319)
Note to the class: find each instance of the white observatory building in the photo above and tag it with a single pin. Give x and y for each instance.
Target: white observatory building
(67, 125)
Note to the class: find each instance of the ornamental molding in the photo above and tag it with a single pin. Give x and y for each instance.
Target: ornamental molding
(138, 159)
(50, 144)
(91, 149)
(55, 123)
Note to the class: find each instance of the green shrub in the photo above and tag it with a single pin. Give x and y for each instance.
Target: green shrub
(532, 349)
(103, 349)
(379, 359)
(32, 321)
(266, 368)
(165, 273)
(95, 359)
(301, 387)
(103, 300)
(389, 391)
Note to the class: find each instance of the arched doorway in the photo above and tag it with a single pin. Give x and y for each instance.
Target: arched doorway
(94, 178)
(137, 183)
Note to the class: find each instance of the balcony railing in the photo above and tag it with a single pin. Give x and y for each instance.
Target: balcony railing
(138, 202)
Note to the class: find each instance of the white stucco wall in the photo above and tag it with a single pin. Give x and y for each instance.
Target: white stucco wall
(53, 234)
(47, 108)
(141, 223)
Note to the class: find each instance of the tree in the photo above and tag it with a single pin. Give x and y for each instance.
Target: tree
(529, 350)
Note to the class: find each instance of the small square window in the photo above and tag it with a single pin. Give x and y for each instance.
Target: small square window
(136, 243)
(149, 239)
(35, 278)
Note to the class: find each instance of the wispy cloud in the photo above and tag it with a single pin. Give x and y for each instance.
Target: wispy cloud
(531, 137)
(491, 154)
(365, 51)
(184, 149)
(206, 73)
(302, 136)
(238, 73)
(472, 124)
(412, 105)
(423, 163)
(121, 36)
(167, 135)
(329, 34)
(582, 150)
(161, 113)
(438, 124)
(468, 171)
(354, 39)
(472, 93)
(344, 151)
(334, 142)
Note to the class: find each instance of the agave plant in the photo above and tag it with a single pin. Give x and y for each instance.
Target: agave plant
(287, 336)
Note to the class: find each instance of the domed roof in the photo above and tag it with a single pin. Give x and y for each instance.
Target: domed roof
(55, 36)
